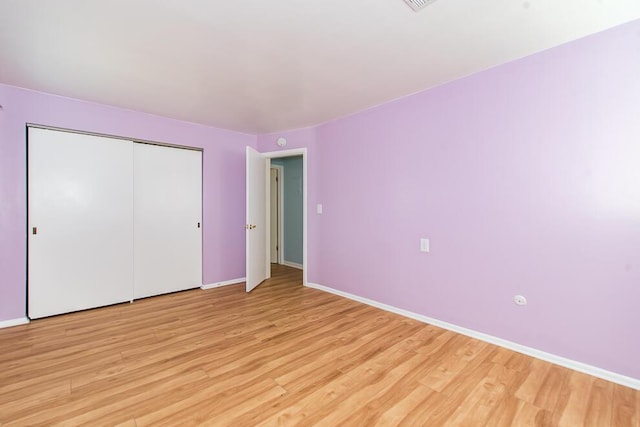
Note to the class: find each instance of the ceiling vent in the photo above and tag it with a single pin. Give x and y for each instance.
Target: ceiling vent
(418, 5)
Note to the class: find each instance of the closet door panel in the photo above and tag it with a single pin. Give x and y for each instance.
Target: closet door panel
(167, 219)
(80, 222)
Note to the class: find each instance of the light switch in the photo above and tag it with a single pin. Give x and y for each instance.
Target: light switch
(319, 208)
(424, 245)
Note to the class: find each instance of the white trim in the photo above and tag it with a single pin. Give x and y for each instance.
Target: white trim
(225, 283)
(529, 351)
(299, 152)
(13, 322)
(293, 264)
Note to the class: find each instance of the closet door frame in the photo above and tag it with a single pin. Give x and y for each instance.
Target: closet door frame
(29, 230)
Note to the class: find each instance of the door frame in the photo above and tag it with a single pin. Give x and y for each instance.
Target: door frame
(280, 186)
(289, 153)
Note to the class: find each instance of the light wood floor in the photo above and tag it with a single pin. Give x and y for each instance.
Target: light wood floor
(282, 355)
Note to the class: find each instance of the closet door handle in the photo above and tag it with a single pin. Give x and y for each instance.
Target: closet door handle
(34, 230)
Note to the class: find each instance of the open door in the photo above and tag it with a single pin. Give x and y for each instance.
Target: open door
(257, 219)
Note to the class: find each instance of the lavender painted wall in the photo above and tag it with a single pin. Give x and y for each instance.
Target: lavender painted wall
(223, 180)
(525, 177)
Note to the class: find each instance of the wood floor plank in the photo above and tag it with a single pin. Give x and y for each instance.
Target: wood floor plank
(600, 404)
(487, 396)
(577, 404)
(551, 390)
(285, 355)
(110, 404)
(625, 408)
(411, 409)
(538, 370)
(384, 389)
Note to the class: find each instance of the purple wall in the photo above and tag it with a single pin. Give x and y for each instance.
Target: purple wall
(526, 179)
(223, 176)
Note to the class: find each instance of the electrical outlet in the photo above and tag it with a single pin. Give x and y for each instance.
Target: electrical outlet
(520, 300)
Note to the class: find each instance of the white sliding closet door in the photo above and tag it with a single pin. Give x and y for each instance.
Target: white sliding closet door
(80, 227)
(167, 219)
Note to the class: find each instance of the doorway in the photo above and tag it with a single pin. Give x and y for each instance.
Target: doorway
(291, 202)
(303, 183)
(258, 236)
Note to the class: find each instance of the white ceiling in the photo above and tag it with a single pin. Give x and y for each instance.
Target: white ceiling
(265, 66)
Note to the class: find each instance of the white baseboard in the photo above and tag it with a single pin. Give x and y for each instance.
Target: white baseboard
(225, 283)
(13, 322)
(293, 264)
(529, 351)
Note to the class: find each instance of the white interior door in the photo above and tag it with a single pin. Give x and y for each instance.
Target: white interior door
(274, 218)
(167, 219)
(80, 226)
(258, 267)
